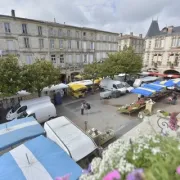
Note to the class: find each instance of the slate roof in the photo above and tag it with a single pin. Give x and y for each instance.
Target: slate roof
(155, 31)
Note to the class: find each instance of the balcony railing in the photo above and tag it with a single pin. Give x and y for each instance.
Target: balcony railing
(6, 52)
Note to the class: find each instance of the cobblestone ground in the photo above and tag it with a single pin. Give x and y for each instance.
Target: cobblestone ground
(103, 114)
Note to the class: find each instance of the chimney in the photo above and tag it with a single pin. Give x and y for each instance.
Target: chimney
(121, 34)
(13, 13)
(170, 29)
(64, 22)
(55, 20)
(131, 33)
(140, 35)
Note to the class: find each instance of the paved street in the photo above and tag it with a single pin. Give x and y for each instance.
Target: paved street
(103, 114)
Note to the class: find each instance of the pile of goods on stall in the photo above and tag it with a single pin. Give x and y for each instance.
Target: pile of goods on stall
(132, 107)
(163, 114)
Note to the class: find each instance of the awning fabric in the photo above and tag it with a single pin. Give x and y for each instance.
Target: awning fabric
(143, 91)
(155, 87)
(77, 87)
(19, 130)
(168, 83)
(38, 159)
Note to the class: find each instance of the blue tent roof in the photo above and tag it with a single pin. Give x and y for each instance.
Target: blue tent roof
(48, 161)
(168, 83)
(153, 86)
(143, 91)
(19, 130)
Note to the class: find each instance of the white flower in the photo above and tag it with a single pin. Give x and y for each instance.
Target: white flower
(179, 147)
(155, 150)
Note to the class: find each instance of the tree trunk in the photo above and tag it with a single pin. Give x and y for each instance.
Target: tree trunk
(39, 93)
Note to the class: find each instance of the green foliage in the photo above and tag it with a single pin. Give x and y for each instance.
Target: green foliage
(39, 75)
(92, 71)
(10, 75)
(159, 157)
(121, 62)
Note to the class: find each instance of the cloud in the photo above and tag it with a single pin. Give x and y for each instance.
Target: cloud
(111, 15)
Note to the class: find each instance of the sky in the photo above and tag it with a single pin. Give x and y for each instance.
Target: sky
(121, 16)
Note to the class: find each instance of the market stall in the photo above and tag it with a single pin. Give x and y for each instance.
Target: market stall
(140, 104)
(161, 90)
(77, 90)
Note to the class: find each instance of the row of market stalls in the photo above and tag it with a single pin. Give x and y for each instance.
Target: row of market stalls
(28, 154)
(154, 91)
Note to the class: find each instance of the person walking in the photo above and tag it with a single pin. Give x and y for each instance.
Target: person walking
(82, 108)
(174, 98)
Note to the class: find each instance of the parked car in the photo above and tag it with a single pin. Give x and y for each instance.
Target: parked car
(127, 86)
(15, 111)
(41, 112)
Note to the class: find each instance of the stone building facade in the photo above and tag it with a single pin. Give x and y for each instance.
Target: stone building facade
(68, 47)
(136, 42)
(162, 48)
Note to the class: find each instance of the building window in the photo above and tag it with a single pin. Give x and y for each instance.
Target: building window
(29, 59)
(51, 43)
(60, 43)
(77, 44)
(26, 43)
(51, 31)
(68, 33)
(7, 27)
(162, 43)
(24, 28)
(92, 36)
(77, 34)
(70, 59)
(92, 45)
(84, 34)
(174, 42)
(41, 43)
(85, 58)
(53, 58)
(178, 42)
(60, 32)
(149, 45)
(69, 44)
(62, 58)
(40, 30)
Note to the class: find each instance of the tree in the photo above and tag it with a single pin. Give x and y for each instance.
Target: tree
(10, 76)
(39, 75)
(122, 62)
(92, 71)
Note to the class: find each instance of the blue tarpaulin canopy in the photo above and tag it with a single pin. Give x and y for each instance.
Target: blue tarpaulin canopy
(19, 130)
(156, 87)
(143, 91)
(38, 159)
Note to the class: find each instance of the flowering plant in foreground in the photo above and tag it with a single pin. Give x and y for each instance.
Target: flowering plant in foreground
(144, 158)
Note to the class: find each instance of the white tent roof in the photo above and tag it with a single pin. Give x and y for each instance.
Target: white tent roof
(55, 87)
(73, 139)
(84, 82)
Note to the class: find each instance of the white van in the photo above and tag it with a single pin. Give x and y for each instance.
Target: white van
(77, 144)
(41, 112)
(111, 85)
(22, 106)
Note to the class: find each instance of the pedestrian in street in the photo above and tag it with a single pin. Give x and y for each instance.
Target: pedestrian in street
(82, 107)
(174, 98)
